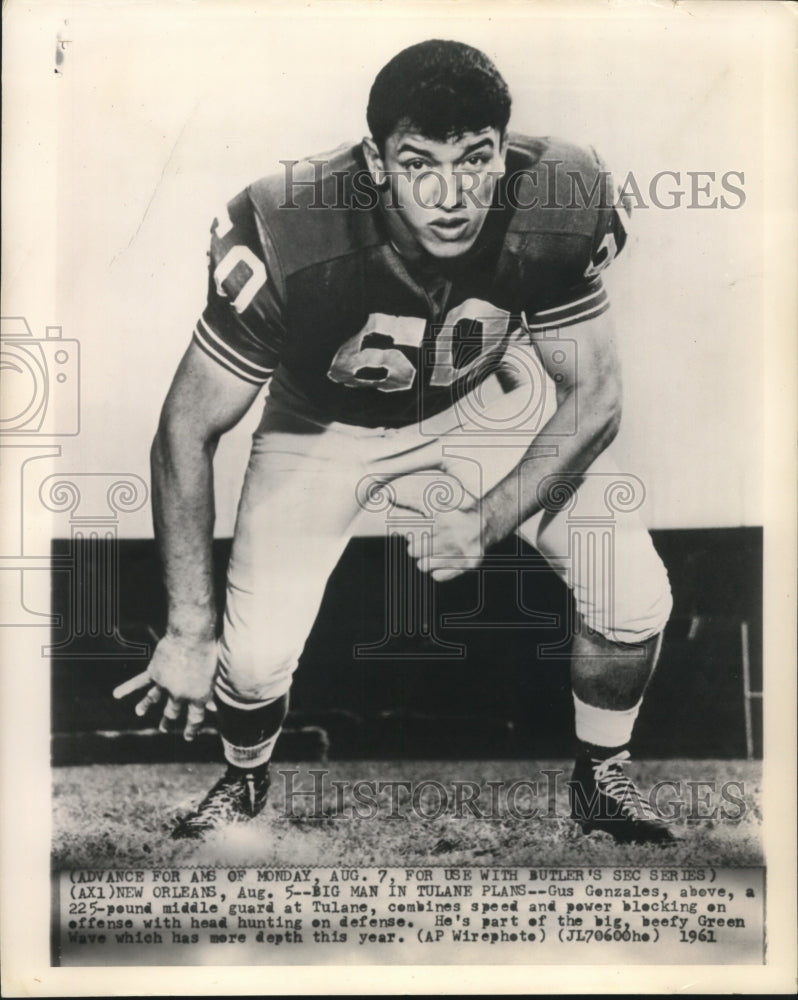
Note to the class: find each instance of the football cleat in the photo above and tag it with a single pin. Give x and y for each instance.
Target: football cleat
(235, 798)
(604, 797)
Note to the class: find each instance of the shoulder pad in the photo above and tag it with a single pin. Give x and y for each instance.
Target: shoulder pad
(555, 185)
(307, 210)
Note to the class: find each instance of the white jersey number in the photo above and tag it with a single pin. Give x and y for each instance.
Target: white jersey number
(240, 294)
(369, 359)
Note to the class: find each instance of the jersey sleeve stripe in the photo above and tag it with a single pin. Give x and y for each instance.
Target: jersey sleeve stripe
(570, 320)
(226, 349)
(225, 362)
(599, 293)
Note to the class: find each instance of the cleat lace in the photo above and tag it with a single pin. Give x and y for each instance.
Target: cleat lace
(221, 808)
(225, 803)
(617, 785)
(252, 797)
(235, 797)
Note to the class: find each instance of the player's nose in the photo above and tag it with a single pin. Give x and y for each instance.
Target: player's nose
(442, 190)
(451, 192)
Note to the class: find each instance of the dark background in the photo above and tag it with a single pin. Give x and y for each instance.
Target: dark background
(503, 699)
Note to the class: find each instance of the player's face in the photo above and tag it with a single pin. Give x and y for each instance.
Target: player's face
(440, 192)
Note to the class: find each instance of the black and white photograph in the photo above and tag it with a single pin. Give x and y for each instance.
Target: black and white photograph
(397, 428)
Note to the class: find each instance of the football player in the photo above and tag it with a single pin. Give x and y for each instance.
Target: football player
(388, 293)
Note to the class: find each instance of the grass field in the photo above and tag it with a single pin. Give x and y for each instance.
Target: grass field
(121, 816)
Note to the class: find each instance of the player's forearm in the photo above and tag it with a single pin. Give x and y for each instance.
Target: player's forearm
(183, 511)
(515, 498)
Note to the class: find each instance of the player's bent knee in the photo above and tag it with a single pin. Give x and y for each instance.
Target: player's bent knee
(249, 676)
(636, 616)
(246, 689)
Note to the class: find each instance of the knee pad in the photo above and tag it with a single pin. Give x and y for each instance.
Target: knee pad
(248, 677)
(634, 610)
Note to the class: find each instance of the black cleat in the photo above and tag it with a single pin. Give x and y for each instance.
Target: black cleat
(236, 797)
(604, 798)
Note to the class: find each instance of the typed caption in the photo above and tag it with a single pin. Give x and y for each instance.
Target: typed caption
(441, 915)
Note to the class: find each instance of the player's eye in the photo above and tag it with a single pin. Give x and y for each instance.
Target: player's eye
(414, 165)
(477, 160)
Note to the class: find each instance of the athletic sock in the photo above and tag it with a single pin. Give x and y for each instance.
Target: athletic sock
(249, 734)
(604, 729)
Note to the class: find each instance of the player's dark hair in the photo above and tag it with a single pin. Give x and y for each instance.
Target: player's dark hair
(441, 89)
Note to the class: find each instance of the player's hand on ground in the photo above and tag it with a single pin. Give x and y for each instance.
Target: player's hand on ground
(456, 544)
(184, 669)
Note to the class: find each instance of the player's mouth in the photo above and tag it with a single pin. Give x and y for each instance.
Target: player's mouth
(449, 229)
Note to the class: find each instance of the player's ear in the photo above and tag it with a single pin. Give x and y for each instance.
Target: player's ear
(374, 161)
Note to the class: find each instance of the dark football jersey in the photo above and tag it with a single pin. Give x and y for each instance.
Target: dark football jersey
(306, 287)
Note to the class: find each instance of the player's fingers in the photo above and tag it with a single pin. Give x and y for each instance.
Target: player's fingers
(442, 575)
(152, 697)
(210, 706)
(170, 713)
(172, 708)
(428, 563)
(196, 713)
(419, 546)
(139, 681)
